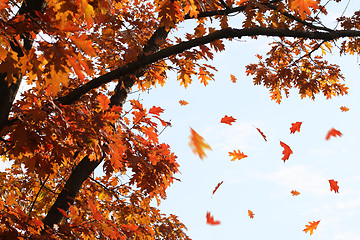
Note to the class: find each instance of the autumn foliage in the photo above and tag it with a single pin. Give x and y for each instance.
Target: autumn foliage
(79, 60)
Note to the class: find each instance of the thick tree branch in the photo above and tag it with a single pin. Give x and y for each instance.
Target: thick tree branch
(144, 60)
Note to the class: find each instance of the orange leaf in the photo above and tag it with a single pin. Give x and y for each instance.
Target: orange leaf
(333, 133)
(156, 110)
(217, 186)
(334, 186)
(197, 144)
(251, 214)
(63, 212)
(210, 219)
(233, 78)
(295, 127)
(228, 120)
(262, 134)
(311, 227)
(237, 155)
(103, 101)
(295, 193)
(344, 109)
(96, 213)
(303, 6)
(287, 151)
(83, 44)
(183, 103)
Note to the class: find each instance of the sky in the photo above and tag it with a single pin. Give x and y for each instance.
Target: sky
(262, 182)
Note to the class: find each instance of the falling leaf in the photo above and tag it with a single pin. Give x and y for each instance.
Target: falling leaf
(295, 193)
(156, 110)
(217, 186)
(233, 78)
(311, 227)
(197, 144)
(262, 134)
(303, 6)
(228, 120)
(334, 186)
(237, 155)
(295, 127)
(210, 219)
(344, 109)
(333, 133)
(183, 103)
(251, 214)
(287, 151)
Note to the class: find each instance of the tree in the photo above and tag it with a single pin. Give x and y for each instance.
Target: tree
(72, 119)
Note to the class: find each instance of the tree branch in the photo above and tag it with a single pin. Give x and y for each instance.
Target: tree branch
(144, 60)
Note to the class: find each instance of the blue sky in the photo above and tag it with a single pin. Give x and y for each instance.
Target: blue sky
(263, 182)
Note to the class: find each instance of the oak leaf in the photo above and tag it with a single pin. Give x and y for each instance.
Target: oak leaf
(287, 151)
(251, 214)
(103, 101)
(344, 109)
(295, 193)
(228, 120)
(303, 6)
(261, 133)
(237, 155)
(295, 127)
(217, 186)
(156, 110)
(197, 144)
(210, 219)
(334, 186)
(233, 78)
(311, 227)
(183, 103)
(333, 133)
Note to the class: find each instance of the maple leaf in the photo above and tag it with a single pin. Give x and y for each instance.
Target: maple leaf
(251, 214)
(228, 120)
(333, 133)
(295, 193)
(237, 155)
(344, 109)
(156, 110)
(334, 186)
(217, 186)
(311, 227)
(197, 144)
(303, 6)
(210, 219)
(183, 103)
(262, 134)
(233, 78)
(295, 127)
(287, 151)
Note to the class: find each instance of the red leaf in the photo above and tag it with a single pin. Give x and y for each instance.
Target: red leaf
(217, 186)
(96, 213)
(63, 212)
(333, 133)
(156, 110)
(210, 219)
(295, 127)
(251, 214)
(334, 186)
(287, 151)
(227, 120)
(233, 78)
(262, 134)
